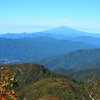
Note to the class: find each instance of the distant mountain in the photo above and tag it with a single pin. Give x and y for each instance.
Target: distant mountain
(64, 32)
(25, 35)
(62, 70)
(79, 75)
(85, 39)
(58, 33)
(79, 59)
(14, 50)
(93, 64)
(83, 75)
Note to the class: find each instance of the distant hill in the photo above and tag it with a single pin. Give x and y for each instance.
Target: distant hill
(62, 70)
(83, 75)
(66, 31)
(94, 64)
(36, 48)
(25, 35)
(79, 75)
(85, 39)
(54, 89)
(58, 33)
(79, 59)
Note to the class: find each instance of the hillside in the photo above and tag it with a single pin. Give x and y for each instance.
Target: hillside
(15, 50)
(85, 39)
(38, 83)
(79, 75)
(54, 89)
(79, 59)
(83, 75)
(62, 70)
(94, 64)
(31, 73)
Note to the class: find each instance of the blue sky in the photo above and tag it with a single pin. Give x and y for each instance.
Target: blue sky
(36, 15)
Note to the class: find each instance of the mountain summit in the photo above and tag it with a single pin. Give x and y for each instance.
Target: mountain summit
(61, 30)
(59, 33)
(69, 32)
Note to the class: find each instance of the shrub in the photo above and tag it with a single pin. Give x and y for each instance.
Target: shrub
(93, 88)
(8, 82)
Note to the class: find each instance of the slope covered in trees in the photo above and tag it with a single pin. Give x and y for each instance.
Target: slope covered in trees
(37, 82)
(54, 89)
(83, 75)
(79, 75)
(31, 73)
(62, 70)
(37, 48)
(79, 59)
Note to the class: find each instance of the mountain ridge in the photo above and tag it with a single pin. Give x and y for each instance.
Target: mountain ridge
(59, 33)
(72, 59)
(37, 48)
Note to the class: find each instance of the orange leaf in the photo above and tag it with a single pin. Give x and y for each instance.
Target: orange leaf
(3, 99)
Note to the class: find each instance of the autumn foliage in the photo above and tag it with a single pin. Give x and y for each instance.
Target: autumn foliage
(8, 82)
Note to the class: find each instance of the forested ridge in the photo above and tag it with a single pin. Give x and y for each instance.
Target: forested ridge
(79, 59)
(37, 82)
(37, 48)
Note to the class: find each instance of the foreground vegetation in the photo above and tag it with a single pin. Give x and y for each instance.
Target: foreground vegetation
(31, 73)
(38, 83)
(61, 88)
(7, 84)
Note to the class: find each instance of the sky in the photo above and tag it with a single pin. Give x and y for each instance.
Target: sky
(17, 16)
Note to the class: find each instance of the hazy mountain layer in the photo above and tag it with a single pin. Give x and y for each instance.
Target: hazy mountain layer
(85, 39)
(36, 48)
(59, 33)
(80, 59)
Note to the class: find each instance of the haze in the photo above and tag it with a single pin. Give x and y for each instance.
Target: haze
(17, 16)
